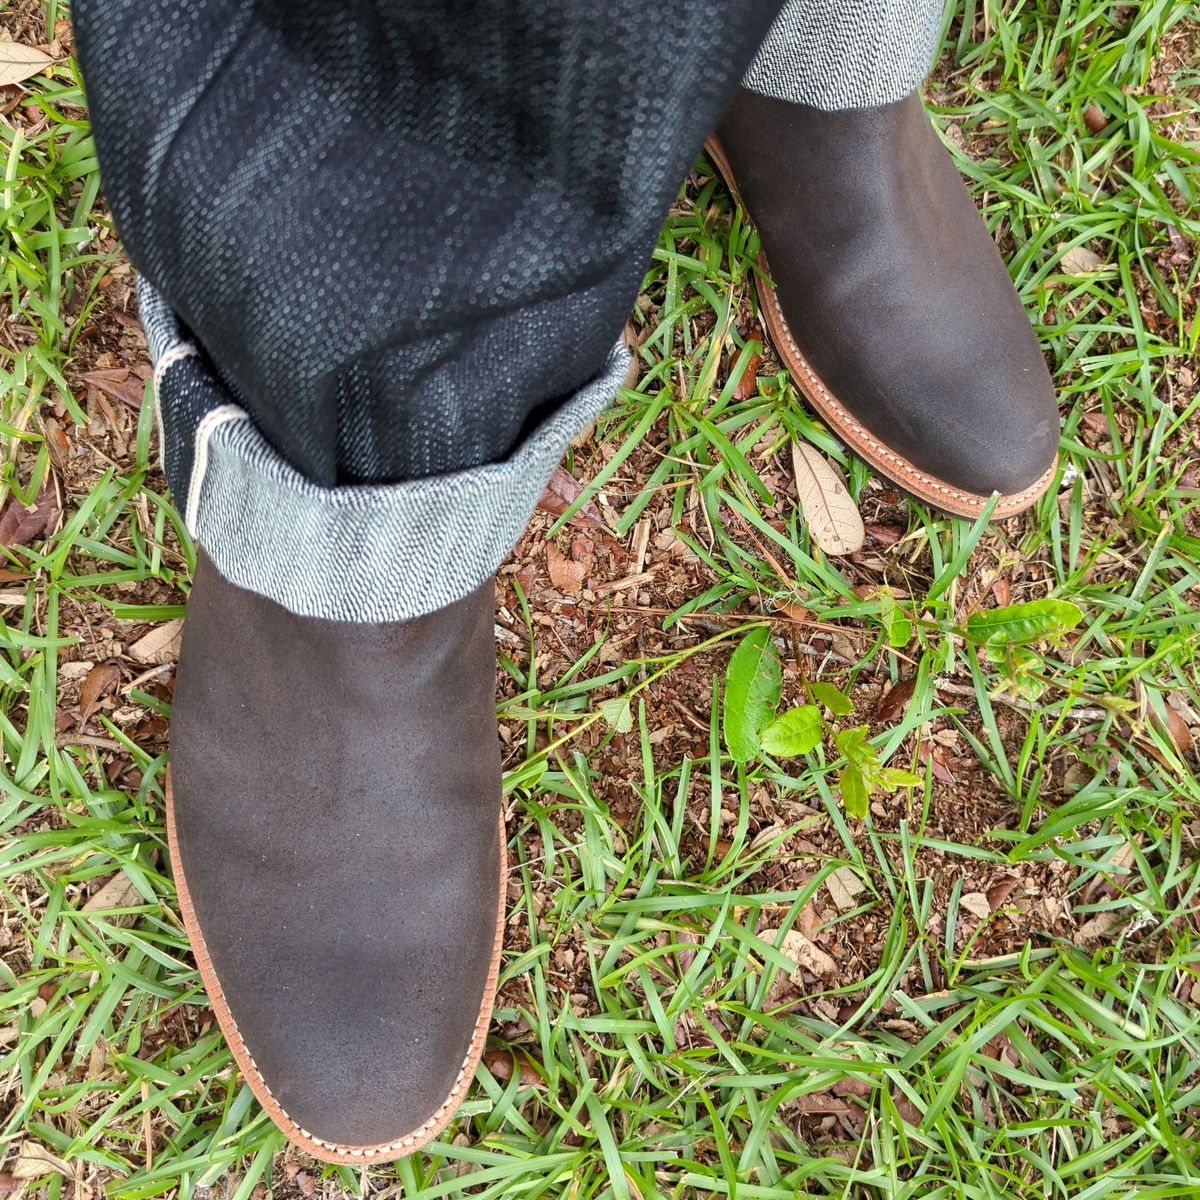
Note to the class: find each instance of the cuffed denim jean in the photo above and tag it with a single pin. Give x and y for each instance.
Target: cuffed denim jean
(386, 247)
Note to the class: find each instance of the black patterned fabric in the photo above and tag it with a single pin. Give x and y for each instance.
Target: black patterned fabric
(402, 232)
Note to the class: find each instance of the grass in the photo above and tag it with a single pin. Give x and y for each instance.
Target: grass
(648, 1042)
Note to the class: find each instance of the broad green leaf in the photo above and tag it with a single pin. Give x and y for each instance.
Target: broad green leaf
(1017, 624)
(752, 682)
(891, 778)
(898, 626)
(832, 698)
(855, 791)
(796, 731)
(618, 713)
(854, 745)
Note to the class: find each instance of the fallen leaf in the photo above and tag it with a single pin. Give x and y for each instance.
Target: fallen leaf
(561, 492)
(101, 679)
(747, 385)
(118, 892)
(117, 384)
(976, 903)
(160, 645)
(19, 525)
(805, 954)
(1098, 927)
(35, 1160)
(844, 885)
(1079, 260)
(1111, 882)
(893, 703)
(1177, 728)
(822, 1102)
(19, 62)
(885, 535)
(851, 1085)
(630, 338)
(999, 892)
(828, 509)
(933, 755)
(501, 1062)
(565, 574)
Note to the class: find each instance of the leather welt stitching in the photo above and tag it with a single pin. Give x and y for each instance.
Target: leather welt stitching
(841, 414)
(410, 1140)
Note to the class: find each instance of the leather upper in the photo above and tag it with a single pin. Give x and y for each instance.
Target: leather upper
(893, 288)
(336, 807)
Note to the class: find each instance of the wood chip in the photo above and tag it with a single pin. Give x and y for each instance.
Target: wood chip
(831, 515)
(641, 541)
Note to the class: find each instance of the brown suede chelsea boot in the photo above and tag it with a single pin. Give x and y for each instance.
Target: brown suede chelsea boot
(887, 300)
(337, 841)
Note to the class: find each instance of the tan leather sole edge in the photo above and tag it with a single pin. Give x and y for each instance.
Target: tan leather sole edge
(925, 487)
(318, 1147)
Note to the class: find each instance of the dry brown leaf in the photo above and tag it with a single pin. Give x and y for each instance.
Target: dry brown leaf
(35, 1160)
(501, 1062)
(630, 338)
(886, 535)
(893, 703)
(561, 492)
(101, 679)
(1079, 260)
(828, 509)
(804, 953)
(19, 62)
(747, 386)
(118, 892)
(1098, 927)
(160, 645)
(20, 525)
(116, 382)
(844, 885)
(935, 756)
(1177, 728)
(999, 892)
(565, 574)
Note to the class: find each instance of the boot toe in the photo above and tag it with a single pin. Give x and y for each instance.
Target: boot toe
(358, 1032)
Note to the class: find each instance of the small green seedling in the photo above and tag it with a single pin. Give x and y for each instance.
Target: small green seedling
(753, 726)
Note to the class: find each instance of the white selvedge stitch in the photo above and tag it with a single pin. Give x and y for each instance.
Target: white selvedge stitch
(215, 417)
